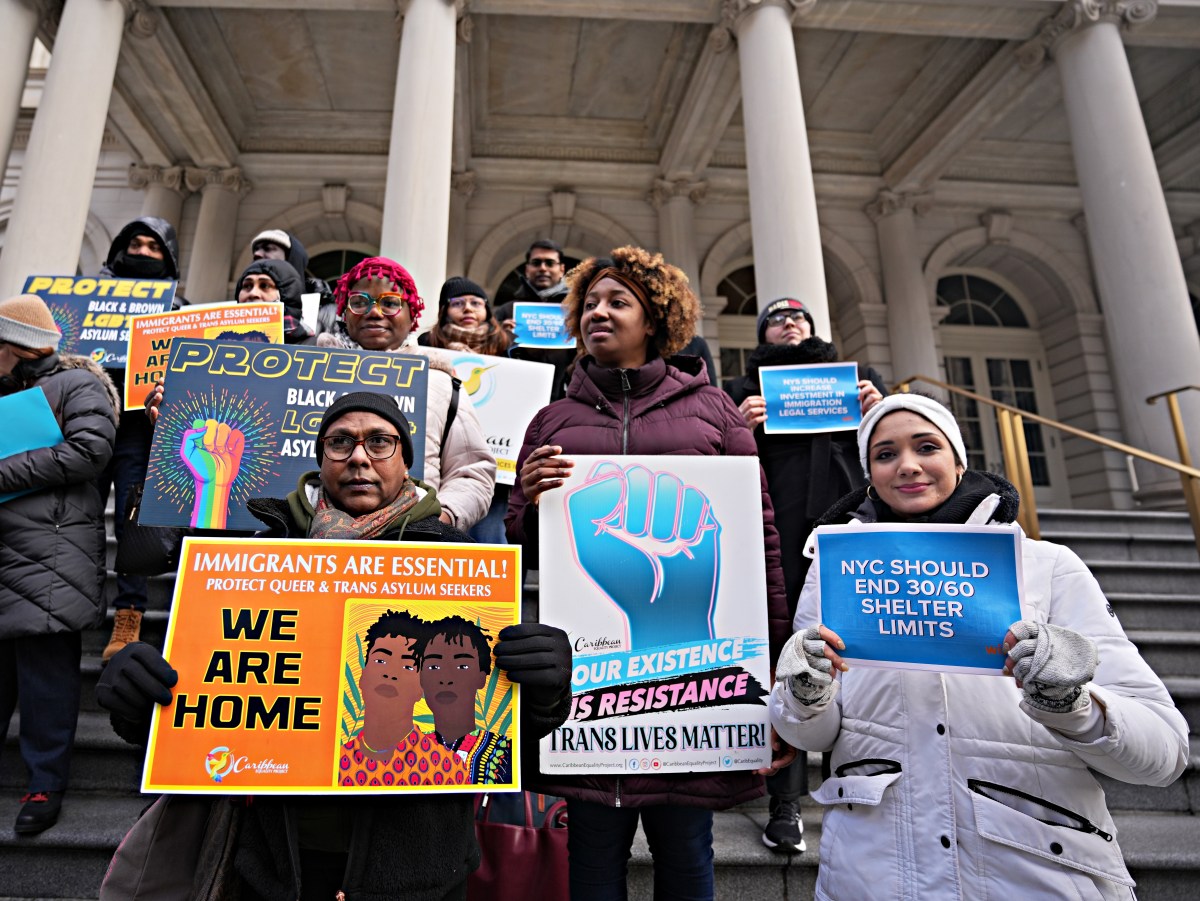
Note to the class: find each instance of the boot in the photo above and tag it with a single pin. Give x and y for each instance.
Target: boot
(127, 626)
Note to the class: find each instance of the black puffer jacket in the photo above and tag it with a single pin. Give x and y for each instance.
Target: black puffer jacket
(805, 473)
(52, 540)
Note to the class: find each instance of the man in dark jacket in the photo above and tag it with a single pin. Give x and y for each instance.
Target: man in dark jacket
(270, 281)
(541, 282)
(51, 549)
(144, 248)
(277, 244)
(419, 847)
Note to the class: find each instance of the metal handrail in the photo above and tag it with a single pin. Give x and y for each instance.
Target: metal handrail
(1191, 485)
(1011, 422)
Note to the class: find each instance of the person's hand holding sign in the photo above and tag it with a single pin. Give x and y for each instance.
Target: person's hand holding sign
(753, 410)
(213, 452)
(807, 663)
(650, 543)
(1051, 665)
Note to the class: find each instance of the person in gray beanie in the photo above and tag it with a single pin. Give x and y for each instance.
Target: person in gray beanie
(990, 778)
(51, 549)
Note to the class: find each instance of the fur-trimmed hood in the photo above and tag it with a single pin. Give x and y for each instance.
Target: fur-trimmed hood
(28, 372)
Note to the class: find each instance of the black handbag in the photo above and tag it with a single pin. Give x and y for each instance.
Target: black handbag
(146, 550)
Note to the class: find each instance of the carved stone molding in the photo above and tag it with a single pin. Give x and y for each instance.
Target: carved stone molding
(998, 224)
(141, 21)
(465, 29)
(333, 200)
(230, 179)
(142, 176)
(464, 183)
(888, 203)
(562, 205)
(733, 11)
(664, 190)
(1077, 14)
(1079, 220)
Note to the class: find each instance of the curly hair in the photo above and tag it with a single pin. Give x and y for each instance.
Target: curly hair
(674, 308)
(380, 267)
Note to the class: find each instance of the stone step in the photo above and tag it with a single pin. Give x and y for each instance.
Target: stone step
(1157, 611)
(100, 760)
(1185, 690)
(1168, 653)
(154, 630)
(1055, 522)
(1131, 576)
(1093, 546)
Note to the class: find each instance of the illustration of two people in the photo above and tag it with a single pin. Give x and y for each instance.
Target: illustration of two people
(446, 661)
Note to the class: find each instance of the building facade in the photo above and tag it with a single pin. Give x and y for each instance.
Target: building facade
(1005, 194)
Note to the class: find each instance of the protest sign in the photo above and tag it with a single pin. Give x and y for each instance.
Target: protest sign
(297, 660)
(933, 597)
(239, 421)
(150, 337)
(655, 567)
(93, 313)
(541, 326)
(819, 397)
(31, 426)
(506, 394)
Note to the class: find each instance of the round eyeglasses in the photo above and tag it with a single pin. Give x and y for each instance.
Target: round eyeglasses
(378, 447)
(465, 303)
(389, 303)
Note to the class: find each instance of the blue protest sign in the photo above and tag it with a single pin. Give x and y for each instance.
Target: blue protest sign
(93, 313)
(541, 326)
(239, 420)
(821, 397)
(921, 596)
(31, 426)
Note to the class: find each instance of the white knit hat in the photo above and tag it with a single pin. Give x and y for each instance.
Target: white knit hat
(25, 320)
(925, 407)
(275, 236)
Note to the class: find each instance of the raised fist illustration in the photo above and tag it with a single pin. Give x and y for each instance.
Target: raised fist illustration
(212, 451)
(651, 544)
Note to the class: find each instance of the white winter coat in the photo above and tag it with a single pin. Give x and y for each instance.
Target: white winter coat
(915, 823)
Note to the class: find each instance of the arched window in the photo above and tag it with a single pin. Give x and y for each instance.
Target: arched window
(739, 289)
(333, 264)
(976, 301)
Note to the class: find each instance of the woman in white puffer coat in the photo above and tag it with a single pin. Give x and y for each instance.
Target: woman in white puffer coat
(970, 786)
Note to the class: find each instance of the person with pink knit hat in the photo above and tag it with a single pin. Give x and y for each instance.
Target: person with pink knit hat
(52, 554)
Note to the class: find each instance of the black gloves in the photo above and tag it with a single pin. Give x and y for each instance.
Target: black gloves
(135, 679)
(538, 658)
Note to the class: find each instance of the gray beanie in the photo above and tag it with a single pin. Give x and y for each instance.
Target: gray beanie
(25, 321)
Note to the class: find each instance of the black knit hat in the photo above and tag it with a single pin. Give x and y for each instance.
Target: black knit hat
(367, 402)
(460, 286)
(778, 306)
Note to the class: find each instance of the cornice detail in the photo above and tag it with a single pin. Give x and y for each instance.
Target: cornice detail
(724, 34)
(141, 21)
(333, 200)
(888, 203)
(142, 176)
(464, 183)
(230, 179)
(665, 190)
(1078, 14)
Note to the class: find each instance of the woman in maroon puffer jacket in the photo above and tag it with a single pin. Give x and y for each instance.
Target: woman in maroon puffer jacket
(632, 313)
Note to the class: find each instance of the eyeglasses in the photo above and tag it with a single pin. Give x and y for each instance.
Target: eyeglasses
(378, 447)
(778, 319)
(389, 303)
(540, 262)
(462, 303)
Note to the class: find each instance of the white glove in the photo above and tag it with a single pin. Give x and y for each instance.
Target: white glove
(804, 669)
(1052, 664)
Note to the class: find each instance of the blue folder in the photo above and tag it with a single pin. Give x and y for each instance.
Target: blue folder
(31, 424)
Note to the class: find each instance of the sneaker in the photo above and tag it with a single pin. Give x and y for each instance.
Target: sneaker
(785, 831)
(127, 628)
(39, 811)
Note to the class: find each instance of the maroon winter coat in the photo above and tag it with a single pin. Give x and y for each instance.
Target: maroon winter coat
(660, 408)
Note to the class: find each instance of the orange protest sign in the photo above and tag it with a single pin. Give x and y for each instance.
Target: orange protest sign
(150, 337)
(328, 667)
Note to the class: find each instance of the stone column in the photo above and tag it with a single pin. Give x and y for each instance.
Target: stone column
(1153, 344)
(676, 202)
(783, 202)
(18, 27)
(416, 204)
(462, 188)
(165, 189)
(208, 272)
(59, 169)
(909, 319)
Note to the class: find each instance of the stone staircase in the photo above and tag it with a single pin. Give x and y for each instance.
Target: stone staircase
(1146, 562)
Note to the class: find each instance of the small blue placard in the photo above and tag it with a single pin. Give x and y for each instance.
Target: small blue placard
(821, 397)
(541, 326)
(31, 426)
(93, 313)
(921, 596)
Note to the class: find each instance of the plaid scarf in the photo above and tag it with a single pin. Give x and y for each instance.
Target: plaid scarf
(330, 522)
